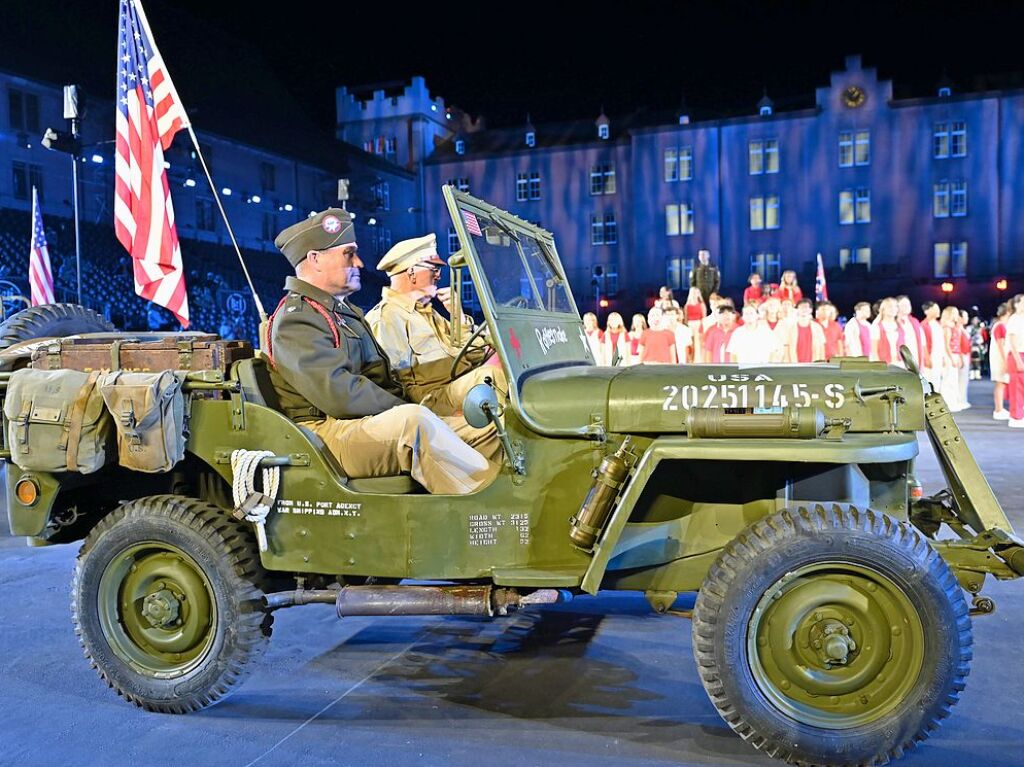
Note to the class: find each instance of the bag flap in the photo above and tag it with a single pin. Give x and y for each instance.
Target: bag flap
(43, 388)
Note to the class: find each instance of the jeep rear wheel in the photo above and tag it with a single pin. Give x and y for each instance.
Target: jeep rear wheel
(832, 636)
(167, 604)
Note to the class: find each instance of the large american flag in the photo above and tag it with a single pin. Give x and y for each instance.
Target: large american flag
(149, 113)
(39, 275)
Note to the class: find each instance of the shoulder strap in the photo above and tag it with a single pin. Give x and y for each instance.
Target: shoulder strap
(76, 419)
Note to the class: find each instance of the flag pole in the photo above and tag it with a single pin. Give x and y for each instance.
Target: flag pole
(213, 188)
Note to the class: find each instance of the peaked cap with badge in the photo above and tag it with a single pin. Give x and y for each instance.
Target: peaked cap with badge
(328, 229)
(406, 253)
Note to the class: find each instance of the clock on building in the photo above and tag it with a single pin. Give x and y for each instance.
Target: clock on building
(854, 96)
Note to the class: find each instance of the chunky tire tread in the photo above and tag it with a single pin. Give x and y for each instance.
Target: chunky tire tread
(237, 547)
(758, 540)
(42, 321)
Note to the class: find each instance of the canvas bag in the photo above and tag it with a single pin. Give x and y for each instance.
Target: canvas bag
(148, 410)
(56, 421)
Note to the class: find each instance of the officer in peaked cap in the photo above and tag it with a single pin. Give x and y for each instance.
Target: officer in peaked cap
(331, 375)
(417, 338)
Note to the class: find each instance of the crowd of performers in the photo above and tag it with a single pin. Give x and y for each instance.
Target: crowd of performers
(948, 347)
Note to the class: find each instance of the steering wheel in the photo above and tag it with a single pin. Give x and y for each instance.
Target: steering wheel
(465, 348)
(517, 301)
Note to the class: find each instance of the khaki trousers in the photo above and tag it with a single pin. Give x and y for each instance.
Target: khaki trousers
(447, 399)
(445, 455)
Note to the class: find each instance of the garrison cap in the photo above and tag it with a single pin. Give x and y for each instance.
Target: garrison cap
(329, 229)
(408, 253)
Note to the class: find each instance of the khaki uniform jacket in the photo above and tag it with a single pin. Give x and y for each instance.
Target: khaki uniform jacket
(417, 340)
(313, 377)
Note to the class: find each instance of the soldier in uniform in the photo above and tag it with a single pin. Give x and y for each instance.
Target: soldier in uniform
(704, 276)
(331, 375)
(417, 338)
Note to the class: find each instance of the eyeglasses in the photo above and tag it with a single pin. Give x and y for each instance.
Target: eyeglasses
(432, 267)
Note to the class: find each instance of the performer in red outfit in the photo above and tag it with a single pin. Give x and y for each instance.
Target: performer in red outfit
(753, 294)
(827, 317)
(788, 289)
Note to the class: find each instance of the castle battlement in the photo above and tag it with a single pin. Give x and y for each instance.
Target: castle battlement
(389, 101)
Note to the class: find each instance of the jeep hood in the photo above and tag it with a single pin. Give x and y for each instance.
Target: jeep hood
(655, 399)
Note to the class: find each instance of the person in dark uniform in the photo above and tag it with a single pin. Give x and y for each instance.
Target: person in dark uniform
(704, 276)
(332, 376)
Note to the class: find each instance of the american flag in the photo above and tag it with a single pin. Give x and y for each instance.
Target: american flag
(472, 225)
(39, 275)
(820, 286)
(149, 113)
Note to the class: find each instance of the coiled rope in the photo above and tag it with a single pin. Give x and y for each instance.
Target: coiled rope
(251, 504)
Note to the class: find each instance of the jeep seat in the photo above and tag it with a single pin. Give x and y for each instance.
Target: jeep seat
(254, 378)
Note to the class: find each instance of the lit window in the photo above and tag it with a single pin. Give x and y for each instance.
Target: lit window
(950, 259)
(390, 147)
(453, 240)
(864, 256)
(531, 138)
(672, 220)
(958, 139)
(771, 211)
(602, 179)
(940, 141)
(23, 111)
(940, 199)
(678, 269)
(755, 150)
(771, 156)
(757, 213)
(522, 187)
(685, 218)
(468, 296)
(959, 259)
(958, 205)
(862, 155)
(846, 206)
(460, 146)
(863, 206)
(941, 255)
(844, 257)
(671, 165)
(602, 132)
(846, 150)
(462, 184)
(611, 278)
(611, 233)
(596, 230)
(768, 265)
(534, 185)
(686, 163)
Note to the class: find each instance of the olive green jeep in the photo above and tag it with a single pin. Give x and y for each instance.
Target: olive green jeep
(832, 623)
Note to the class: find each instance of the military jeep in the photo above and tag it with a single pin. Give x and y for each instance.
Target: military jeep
(832, 623)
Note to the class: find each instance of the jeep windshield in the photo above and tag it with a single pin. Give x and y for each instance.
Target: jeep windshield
(519, 279)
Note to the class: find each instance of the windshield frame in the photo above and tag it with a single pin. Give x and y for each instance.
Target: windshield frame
(515, 228)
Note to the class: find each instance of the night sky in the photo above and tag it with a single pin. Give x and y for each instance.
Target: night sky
(556, 61)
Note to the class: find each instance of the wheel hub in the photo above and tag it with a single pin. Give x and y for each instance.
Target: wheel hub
(161, 609)
(835, 645)
(157, 609)
(832, 642)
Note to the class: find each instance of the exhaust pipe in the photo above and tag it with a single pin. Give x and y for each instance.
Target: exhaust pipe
(418, 600)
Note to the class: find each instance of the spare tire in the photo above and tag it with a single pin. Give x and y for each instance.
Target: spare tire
(50, 321)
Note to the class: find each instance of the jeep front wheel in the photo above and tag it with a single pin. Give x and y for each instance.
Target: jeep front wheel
(167, 604)
(832, 636)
